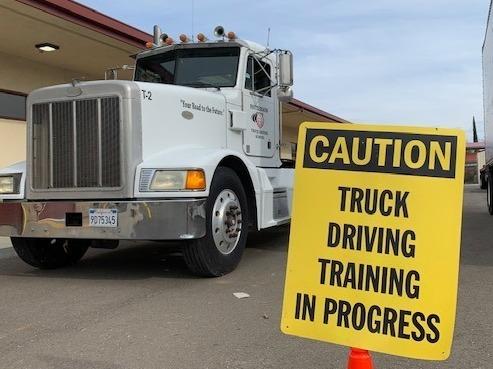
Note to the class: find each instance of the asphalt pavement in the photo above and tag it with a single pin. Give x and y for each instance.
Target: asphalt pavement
(138, 307)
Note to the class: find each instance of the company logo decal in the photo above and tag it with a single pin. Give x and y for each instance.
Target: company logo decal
(258, 119)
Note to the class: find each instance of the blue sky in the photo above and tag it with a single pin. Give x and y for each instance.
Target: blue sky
(381, 61)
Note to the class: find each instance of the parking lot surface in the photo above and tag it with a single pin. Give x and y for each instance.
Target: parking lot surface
(138, 307)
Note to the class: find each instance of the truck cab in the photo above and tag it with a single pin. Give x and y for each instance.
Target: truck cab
(190, 150)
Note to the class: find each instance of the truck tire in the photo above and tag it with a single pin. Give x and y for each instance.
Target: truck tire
(47, 253)
(489, 194)
(483, 182)
(227, 220)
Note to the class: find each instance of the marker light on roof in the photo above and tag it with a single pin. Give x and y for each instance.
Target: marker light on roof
(149, 45)
(163, 38)
(231, 36)
(169, 41)
(184, 38)
(201, 37)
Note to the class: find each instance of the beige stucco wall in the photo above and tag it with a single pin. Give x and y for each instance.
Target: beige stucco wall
(481, 162)
(12, 142)
(23, 75)
(289, 135)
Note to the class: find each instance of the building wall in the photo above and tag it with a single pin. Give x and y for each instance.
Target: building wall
(475, 159)
(23, 75)
(12, 141)
(289, 137)
(481, 159)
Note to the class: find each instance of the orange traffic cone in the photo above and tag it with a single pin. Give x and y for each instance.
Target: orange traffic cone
(359, 359)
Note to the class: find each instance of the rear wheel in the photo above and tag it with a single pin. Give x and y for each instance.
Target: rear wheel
(47, 253)
(227, 220)
(483, 182)
(489, 194)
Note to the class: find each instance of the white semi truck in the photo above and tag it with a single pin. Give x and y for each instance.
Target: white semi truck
(189, 150)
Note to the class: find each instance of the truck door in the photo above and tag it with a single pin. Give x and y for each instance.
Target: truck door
(259, 137)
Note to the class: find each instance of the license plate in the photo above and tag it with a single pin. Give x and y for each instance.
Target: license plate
(103, 218)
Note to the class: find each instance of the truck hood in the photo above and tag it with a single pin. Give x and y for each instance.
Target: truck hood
(174, 116)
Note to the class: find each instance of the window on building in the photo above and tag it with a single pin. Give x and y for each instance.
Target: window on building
(257, 77)
(12, 105)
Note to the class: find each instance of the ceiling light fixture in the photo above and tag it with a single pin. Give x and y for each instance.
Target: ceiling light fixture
(47, 47)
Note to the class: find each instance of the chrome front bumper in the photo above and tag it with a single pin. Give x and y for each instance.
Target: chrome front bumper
(137, 220)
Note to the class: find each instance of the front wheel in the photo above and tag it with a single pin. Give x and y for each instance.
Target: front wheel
(227, 221)
(48, 253)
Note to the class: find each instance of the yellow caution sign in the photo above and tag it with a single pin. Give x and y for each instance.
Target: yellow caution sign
(375, 238)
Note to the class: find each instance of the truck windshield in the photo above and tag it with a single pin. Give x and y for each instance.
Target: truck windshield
(200, 67)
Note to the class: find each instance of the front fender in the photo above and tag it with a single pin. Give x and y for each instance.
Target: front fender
(186, 157)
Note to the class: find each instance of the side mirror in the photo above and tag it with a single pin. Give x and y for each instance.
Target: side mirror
(285, 94)
(285, 69)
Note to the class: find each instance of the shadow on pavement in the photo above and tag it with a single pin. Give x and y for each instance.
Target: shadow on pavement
(273, 239)
(135, 261)
(129, 262)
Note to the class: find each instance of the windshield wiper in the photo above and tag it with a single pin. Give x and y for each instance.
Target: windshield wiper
(201, 84)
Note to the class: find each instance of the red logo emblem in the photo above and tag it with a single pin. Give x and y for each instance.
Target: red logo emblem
(258, 118)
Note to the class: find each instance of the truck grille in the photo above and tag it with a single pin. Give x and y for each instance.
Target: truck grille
(76, 144)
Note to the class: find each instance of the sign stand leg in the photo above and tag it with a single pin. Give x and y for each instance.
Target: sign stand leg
(359, 359)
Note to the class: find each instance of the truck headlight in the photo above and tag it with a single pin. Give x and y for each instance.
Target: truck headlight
(178, 180)
(10, 184)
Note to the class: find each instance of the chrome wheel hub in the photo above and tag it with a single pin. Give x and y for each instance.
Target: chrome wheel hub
(226, 222)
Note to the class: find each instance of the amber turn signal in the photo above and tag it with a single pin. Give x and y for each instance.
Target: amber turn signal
(195, 180)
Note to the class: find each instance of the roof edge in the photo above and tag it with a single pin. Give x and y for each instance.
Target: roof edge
(304, 106)
(88, 17)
